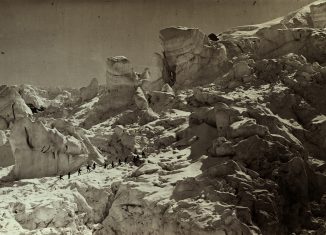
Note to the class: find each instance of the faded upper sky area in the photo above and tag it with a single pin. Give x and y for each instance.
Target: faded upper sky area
(66, 42)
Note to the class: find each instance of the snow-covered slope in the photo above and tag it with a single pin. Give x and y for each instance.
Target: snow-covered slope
(232, 142)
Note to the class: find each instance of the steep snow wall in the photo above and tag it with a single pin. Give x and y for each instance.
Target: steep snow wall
(189, 57)
(40, 151)
(12, 106)
(318, 14)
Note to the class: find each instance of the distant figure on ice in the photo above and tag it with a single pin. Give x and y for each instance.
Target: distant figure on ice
(119, 162)
(68, 175)
(60, 177)
(105, 164)
(79, 171)
(94, 166)
(143, 154)
(126, 159)
(88, 168)
(112, 164)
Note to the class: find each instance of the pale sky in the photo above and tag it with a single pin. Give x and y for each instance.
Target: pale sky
(66, 42)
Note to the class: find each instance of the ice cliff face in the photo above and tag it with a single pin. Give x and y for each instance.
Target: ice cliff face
(120, 80)
(189, 56)
(318, 14)
(231, 142)
(39, 151)
(12, 106)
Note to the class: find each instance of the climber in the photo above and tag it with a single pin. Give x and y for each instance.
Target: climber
(88, 168)
(112, 164)
(79, 171)
(105, 164)
(94, 166)
(60, 177)
(119, 162)
(126, 159)
(68, 175)
(143, 154)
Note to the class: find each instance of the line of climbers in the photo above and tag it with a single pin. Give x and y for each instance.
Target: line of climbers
(136, 161)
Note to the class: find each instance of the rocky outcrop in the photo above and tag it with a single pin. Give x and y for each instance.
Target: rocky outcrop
(89, 92)
(189, 58)
(40, 151)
